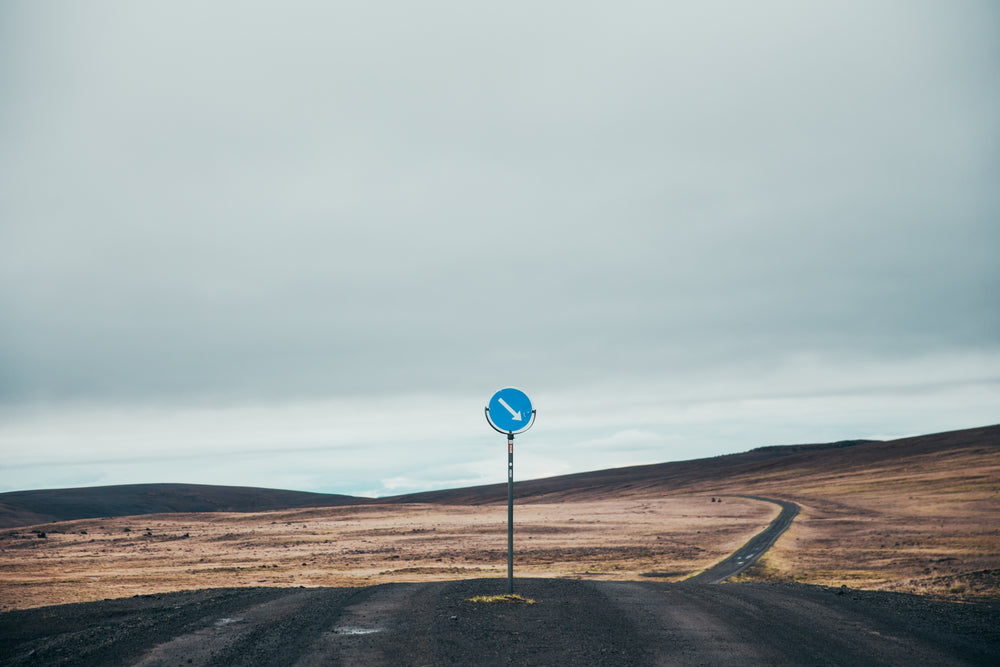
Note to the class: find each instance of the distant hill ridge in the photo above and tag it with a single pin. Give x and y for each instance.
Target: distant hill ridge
(704, 475)
(798, 448)
(25, 508)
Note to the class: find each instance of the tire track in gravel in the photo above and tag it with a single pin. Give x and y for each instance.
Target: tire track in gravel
(364, 628)
(304, 627)
(242, 635)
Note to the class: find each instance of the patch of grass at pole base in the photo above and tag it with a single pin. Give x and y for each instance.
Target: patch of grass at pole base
(511, 598)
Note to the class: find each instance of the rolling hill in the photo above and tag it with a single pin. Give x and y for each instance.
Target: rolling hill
(758, 470)
(25, 508)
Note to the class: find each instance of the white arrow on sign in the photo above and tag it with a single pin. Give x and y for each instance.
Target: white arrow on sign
(515, 415)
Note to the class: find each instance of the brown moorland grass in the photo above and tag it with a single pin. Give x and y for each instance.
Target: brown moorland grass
(94, 559)
(927, 522)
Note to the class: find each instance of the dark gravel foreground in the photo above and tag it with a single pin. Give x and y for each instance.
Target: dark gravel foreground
(573, 623)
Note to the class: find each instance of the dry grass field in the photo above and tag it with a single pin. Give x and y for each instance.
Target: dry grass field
(95, 559)
(927, 522)
(916, 515)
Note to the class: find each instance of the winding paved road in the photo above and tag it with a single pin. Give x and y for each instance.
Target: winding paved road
(758, 545)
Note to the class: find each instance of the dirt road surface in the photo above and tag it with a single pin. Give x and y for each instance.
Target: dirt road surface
(571, 623)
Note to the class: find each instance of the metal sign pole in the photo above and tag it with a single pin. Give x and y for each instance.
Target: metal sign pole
(510, 513)
(510, 411)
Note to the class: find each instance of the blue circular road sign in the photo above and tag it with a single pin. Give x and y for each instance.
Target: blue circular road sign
(510, 411)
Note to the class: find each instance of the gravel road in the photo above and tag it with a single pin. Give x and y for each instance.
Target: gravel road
(572, 623)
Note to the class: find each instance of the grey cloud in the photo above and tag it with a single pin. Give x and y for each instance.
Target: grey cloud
(322, 200)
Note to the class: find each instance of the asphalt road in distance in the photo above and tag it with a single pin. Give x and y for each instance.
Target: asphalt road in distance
(756, 547)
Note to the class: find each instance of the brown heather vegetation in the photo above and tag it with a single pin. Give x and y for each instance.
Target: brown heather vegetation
(926, 521)
(95, 559)
(917, 515)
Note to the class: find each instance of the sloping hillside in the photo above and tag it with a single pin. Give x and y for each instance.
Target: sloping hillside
(25, 508)
(756, 470)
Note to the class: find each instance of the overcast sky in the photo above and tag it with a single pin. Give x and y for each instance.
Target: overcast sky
(300, 244)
